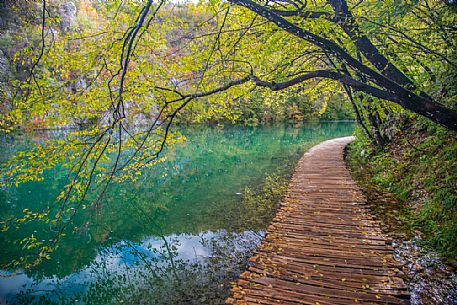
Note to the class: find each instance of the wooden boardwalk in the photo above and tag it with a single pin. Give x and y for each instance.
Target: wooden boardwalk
(323, 246)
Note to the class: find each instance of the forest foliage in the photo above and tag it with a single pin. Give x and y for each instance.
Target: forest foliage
(420, 169)
(122, 73)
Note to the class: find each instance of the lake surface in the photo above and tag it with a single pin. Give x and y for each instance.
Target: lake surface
(178, 235)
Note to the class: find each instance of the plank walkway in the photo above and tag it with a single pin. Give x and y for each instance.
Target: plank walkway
(323, 246)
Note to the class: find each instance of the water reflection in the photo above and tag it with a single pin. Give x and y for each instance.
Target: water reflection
(158, 270)
(177, 235)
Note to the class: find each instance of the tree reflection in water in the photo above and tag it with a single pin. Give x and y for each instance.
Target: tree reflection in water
(178, 269)
(178, 235)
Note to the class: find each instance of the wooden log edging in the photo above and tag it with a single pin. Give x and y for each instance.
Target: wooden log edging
(323, 246)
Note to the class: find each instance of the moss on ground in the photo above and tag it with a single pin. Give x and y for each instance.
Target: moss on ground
(419, 167)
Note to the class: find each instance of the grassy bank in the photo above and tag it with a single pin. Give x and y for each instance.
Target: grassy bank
(418, 167)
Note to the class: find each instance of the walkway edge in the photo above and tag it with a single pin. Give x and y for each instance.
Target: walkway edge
(323, 246)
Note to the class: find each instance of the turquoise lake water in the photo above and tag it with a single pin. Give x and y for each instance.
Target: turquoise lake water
(178, 235)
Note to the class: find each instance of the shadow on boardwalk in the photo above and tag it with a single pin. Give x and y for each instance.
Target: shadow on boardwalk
(323, 246)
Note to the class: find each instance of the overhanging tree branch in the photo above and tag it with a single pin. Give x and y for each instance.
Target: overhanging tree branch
(403, 96)
(305, 14)
(349, 25)
(277, 86)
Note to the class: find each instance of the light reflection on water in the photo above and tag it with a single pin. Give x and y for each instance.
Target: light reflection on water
(151, 265)
(178, 235)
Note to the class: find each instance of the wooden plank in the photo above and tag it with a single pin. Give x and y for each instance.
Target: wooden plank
(323, 246)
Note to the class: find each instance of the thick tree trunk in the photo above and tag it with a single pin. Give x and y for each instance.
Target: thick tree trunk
(347, 22)
(393, 87)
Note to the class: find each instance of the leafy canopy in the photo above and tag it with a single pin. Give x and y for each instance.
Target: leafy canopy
(125, 71)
